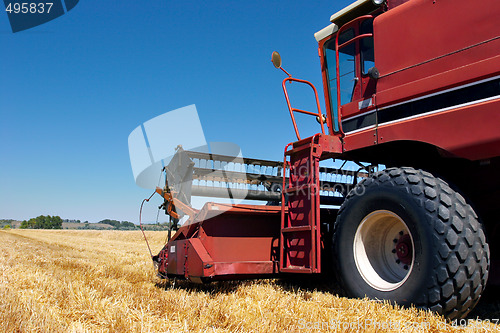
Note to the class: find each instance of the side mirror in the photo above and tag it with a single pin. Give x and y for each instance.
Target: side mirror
(276, 59)
(373, 73)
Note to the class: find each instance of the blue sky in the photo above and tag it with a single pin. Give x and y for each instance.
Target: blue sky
(74, 88)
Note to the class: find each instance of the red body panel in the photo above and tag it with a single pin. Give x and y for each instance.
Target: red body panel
(471, 132)
(241, 241)
(361, 139)
(435, 82)
(425, 46)
(421, 30)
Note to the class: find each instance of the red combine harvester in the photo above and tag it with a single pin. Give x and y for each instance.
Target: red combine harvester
(411, 85)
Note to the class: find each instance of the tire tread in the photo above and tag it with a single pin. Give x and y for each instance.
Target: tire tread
(461, 263)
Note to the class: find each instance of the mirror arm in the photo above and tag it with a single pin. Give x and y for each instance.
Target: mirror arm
(285, 71)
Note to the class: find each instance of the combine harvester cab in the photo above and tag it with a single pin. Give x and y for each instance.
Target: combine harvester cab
(413, 85)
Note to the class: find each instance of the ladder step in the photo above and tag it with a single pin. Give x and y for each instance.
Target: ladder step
(296, 269)
(299, 188)
(296, 229)
(297, 149)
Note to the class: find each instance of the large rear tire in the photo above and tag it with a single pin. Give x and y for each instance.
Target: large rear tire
(404, 235)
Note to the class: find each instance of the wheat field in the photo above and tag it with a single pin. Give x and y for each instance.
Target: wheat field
(103, 281)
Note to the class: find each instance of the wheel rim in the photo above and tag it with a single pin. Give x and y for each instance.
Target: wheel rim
(383, 250)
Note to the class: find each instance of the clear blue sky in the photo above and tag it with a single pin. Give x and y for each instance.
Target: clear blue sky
(74, 88)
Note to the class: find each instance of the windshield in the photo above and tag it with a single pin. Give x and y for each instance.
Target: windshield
(347, 71)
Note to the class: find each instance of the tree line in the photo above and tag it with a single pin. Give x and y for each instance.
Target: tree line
(123, 225)
(55, 222)
(42, 222)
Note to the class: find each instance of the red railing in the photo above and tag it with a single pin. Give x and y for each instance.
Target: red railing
(320, 116)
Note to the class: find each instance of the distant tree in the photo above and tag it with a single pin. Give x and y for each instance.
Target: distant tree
(71, 221)
(123, 225)
(55, 222)
(114, 223)
(30, 224)
(127, 225)
(42, 222)
(6, 227)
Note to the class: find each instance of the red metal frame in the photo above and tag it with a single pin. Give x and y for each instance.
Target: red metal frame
(337, 48)
(292, 110)
(300, 249)
(286, 166)
(301, 225)
(326, 88)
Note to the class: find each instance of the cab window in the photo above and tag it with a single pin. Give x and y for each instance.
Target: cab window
(347, 70)
(366, 46)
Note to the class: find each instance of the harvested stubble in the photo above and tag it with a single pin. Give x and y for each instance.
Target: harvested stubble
(92, 281)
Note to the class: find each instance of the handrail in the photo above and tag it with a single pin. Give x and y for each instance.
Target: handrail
(292, 110)
(352, 40)
(337, 47)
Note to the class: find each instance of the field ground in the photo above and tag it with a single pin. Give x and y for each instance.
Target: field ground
(88, 281)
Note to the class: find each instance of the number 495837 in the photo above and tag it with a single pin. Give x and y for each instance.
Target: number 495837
(31, 8)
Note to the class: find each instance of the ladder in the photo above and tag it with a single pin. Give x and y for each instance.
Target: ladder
(300, 238)
(300, 234)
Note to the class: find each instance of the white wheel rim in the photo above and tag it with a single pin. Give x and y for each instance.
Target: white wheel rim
(383, 250)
